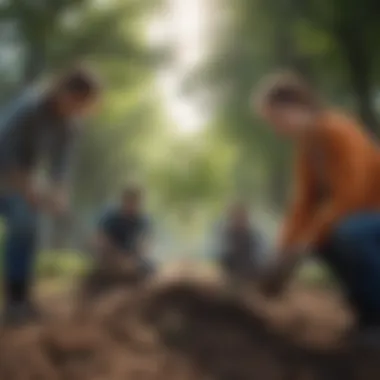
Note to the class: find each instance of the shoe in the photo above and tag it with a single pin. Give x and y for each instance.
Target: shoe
(367, 333)
(368, 338)
(20, 313)
(14, 315)
(32, 312)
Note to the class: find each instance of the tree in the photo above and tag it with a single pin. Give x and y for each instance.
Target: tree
(47, 36)
(331, 43)
(351, 26)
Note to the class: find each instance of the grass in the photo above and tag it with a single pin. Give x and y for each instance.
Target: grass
(63, 264)
(57, 270)
(310, 274)
(314, 274)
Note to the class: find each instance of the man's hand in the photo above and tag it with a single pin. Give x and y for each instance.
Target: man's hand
(23, 183)
(143, 246)
(110, 257)
(57, 203)
(34, 196)
(129, 263)
(275, 280)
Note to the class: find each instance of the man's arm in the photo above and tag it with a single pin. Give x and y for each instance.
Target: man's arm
(18, 129)
(260, 246)
(102, 244)
(62, 158)
(300, 213)
(102, 241)
(295, 227)
(144, 243)
(348, 151)
(108, 255)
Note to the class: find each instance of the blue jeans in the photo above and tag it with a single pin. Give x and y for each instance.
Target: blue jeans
(353, 254)
(21, 221)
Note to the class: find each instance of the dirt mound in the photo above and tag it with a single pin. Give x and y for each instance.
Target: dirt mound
(180, 330)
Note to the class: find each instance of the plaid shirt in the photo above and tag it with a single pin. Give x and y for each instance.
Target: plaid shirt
(30, 131)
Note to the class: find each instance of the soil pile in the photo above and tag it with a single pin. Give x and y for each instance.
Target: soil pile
(189, 330)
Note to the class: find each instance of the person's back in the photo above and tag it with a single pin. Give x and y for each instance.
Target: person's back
(327, 147)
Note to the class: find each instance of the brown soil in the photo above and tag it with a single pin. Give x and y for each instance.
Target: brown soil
(190, 329)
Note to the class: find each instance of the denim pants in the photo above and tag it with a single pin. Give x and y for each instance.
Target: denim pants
(20, 244)
(352, 252)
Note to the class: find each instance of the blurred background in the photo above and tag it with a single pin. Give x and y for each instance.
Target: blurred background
(176, 116)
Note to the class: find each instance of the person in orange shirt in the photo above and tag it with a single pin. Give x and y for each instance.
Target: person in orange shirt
(336, 207)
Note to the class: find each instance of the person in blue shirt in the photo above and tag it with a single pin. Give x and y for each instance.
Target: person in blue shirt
(38, 125)
(122, 239)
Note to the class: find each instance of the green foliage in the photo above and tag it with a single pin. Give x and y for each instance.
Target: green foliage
(332, 43)
(199, 176)
(316, 275)
(55, 265)
(109, 35)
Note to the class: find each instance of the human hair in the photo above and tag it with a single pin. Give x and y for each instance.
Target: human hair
(286, 89)
(79, 82)
(132, 192)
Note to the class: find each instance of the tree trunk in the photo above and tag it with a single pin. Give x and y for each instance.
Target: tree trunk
(286, 57)
(360, 70)
(34, 63)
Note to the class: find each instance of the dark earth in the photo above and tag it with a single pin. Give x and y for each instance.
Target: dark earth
(189, 329)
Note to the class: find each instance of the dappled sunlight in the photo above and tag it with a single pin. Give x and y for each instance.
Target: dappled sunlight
(146, 175)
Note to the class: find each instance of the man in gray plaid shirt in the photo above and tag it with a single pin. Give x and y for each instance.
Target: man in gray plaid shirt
(38, 125)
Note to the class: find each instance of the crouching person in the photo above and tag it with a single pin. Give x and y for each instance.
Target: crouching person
(121, 245)
(336, 207)
(242, 246)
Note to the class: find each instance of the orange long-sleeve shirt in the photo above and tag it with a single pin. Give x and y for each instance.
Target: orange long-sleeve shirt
(348, 170)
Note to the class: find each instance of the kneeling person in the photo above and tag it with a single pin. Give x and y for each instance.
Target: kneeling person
(242, 245)
(121, 241)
